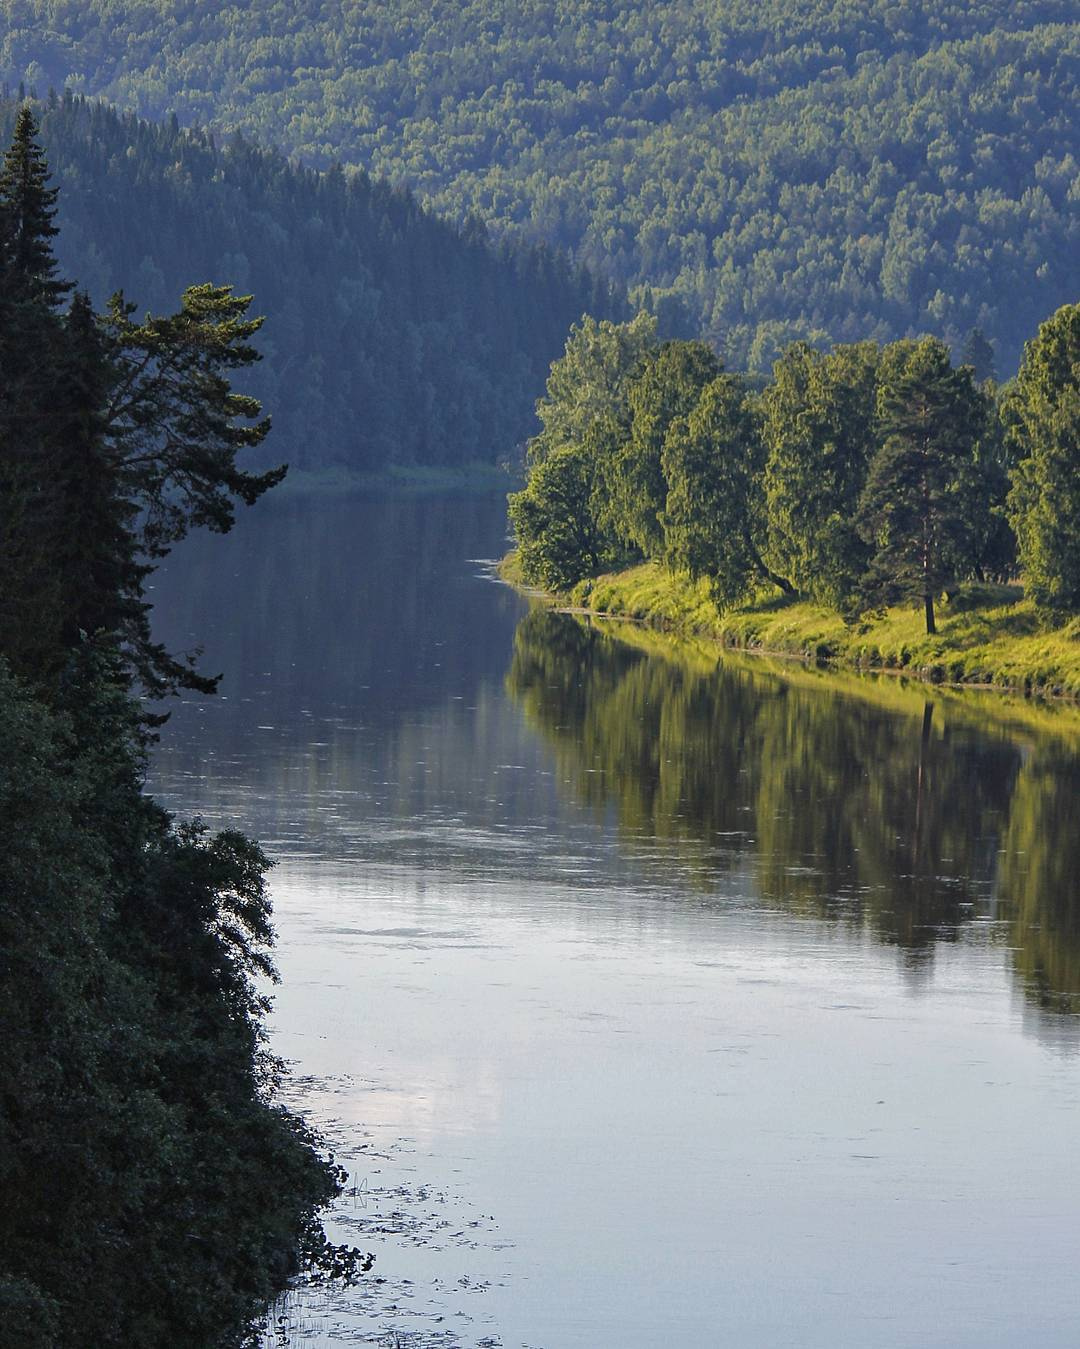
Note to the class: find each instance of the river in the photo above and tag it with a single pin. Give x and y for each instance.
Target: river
(647, 1000)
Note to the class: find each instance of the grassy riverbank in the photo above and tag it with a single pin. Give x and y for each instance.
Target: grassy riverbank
(988, 635)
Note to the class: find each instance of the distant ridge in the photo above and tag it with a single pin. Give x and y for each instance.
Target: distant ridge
(770, 168)
(392, 337)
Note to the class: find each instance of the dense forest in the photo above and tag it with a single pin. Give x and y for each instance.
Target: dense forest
(396, 338)
(767, 171)
(155, 1191)
(863, 476)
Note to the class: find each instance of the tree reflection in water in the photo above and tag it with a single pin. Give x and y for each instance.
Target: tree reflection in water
(903, 811)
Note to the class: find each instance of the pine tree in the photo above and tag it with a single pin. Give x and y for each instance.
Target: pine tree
(924, 502)
(116, 439)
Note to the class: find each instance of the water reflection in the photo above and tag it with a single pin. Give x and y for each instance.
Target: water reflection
(911, 815)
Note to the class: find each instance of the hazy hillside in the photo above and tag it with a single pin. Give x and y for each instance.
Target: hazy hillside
(391, 336)
(791, 167)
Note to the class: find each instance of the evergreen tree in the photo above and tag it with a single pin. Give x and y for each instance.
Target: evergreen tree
(31, 339)
(27, 211)
(116, 438)
(1043, 416)
(979, 354)
(923, 503)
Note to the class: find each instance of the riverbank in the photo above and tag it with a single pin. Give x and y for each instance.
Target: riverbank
(988, 635)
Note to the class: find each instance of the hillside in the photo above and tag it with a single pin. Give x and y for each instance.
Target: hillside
(392, 337)
(772, 170)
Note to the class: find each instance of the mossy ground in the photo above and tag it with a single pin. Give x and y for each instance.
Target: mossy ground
(988, 635)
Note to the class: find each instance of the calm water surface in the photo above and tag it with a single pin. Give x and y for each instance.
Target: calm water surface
(647, 1001)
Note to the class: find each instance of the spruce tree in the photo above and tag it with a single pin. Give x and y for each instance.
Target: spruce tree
(27, 211)
(31, 336)
(116, 439)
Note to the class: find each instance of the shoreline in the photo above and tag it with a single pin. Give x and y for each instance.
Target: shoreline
(989, 637)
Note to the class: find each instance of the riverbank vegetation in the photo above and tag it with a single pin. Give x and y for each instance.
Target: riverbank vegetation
(807, 515)
(154, 1190)
(759, 172)
(908, 813)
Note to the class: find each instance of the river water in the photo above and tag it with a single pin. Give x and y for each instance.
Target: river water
(647, 1000)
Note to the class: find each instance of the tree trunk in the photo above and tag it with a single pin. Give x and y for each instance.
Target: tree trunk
(781, 582)
(931, 626)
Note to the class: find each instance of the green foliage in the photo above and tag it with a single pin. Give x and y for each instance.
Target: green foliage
(714, 517)
(396, 337)
(591, 380)
(924, 501)
(116, 438)
(1043, 414)
(861, 477)
(819, 431)
(892, 790)
(554, 520)
(666, 388)
(137, 1118)
(774, 171)
(154, 1191)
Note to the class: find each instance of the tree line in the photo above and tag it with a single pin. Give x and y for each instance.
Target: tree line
(860, 476)
(155, 1191)
(406, 340)
(758, 172)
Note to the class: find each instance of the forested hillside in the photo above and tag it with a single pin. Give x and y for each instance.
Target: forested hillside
(392, 337)
(786, 169)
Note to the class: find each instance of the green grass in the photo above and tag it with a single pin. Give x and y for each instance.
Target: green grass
(988, 635)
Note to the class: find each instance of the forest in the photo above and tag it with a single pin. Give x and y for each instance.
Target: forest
(864, 476)
(756, 173)
(397, 339)
(155, 1190)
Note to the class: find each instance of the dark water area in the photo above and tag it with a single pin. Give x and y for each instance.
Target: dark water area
(649, 997)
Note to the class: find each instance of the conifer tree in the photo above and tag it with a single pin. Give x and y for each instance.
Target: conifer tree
(979, 354)
(923, 505)
(116, 438)
(27, 211)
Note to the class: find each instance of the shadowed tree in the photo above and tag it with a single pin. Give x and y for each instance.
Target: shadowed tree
(925, 498)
